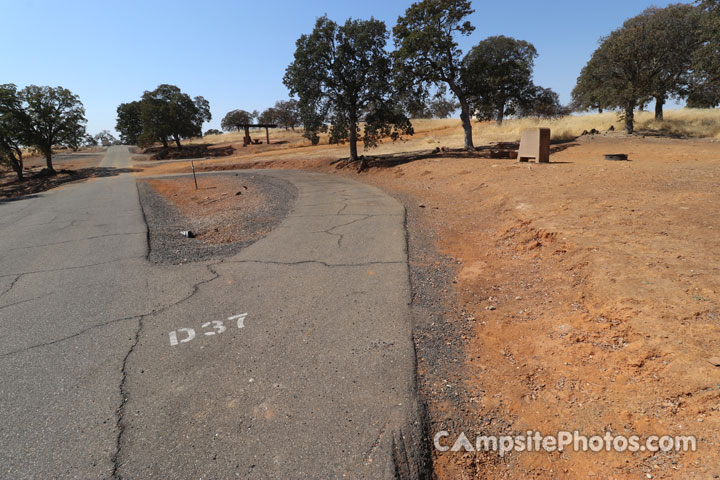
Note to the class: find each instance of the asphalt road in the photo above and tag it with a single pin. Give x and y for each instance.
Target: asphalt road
(292, 359)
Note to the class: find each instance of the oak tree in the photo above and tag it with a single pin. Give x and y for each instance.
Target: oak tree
(287, 113)
(14, 129)
(169, 114)
(269, 116)
(427, 54)
(708, 55)
(648, 58)
(341, 75)
(497, 76)
(56, 117)
(542, 103)
(129, 122)
(235, 119)
(675, 36)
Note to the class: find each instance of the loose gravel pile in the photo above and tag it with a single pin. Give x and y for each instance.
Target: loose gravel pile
(218, 228)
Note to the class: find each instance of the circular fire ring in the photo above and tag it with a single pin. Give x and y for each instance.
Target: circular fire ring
(616, 156)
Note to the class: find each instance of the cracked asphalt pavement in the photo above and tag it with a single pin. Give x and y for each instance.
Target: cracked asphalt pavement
(290, 359)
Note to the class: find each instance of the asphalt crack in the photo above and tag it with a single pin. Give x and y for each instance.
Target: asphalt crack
(75, 240)
(341, 236)
(18, 303)
(12, 285)
(196, 288)
(72, 268)
(120, 412)
(63, 339)
(371, 451)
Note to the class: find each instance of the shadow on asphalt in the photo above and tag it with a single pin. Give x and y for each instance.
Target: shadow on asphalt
(40, 182)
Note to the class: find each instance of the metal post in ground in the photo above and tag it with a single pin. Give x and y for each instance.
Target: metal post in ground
(192, 165)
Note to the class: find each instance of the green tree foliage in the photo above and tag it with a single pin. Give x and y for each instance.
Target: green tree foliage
(56, 117)
(442, 107)
(105, 137)
(439, 106)
(427, 54)
(497, 75)
(129, 122)
(269, 116)
(287, 114)
(169, 114)
(703, 94)
(14, 128)
(707, 56)
(620, 73)
(235, 120)
(591, 89)
(213, 131)
(543, 103)
(647, 58)
(675, 35)
(90, 141)
(342, 74)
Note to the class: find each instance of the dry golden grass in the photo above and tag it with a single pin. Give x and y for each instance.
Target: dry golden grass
(430, 133)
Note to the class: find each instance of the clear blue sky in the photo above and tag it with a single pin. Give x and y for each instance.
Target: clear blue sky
(234, 53)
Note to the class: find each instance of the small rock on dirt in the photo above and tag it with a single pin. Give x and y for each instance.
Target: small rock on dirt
(714, 361)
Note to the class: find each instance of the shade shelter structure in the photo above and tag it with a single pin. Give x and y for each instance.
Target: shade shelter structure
(247, 140)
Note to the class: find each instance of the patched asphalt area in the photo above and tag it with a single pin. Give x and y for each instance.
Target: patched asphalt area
(165, 221)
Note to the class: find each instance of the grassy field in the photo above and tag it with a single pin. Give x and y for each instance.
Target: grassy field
(697, 123)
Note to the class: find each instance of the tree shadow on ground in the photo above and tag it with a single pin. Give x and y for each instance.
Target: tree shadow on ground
(201, 150)
(37, 182)
(496, 151)
(662, 134)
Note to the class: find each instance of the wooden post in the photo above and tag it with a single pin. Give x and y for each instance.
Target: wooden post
(247, 140)
(267, 135)
(192, 165)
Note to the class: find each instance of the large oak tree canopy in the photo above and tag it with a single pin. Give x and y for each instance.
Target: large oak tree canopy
(497, 76)
(427, 53)
(56, 117)
(165, 114)
(235, 119)
(129, 122)
(343, 75)
(649, 57)
(14, 129)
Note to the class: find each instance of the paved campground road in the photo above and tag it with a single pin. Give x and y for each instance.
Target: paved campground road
(291, 359)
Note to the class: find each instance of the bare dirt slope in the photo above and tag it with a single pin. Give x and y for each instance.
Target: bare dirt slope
(591, 297)
(604, 281)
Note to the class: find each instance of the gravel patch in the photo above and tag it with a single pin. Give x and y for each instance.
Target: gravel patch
(440, 328)
(165, 221)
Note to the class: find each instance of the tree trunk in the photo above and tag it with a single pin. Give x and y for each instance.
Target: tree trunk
(16, 161)
(600, 110)
(177, 142)
(17, 166)
(165, 143)
(464, 115)
(500, 115)
(353, 139)
(659, 104)
(630, 118)
(48, 161)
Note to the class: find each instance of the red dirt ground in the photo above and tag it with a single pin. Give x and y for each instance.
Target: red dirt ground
(594, 293)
